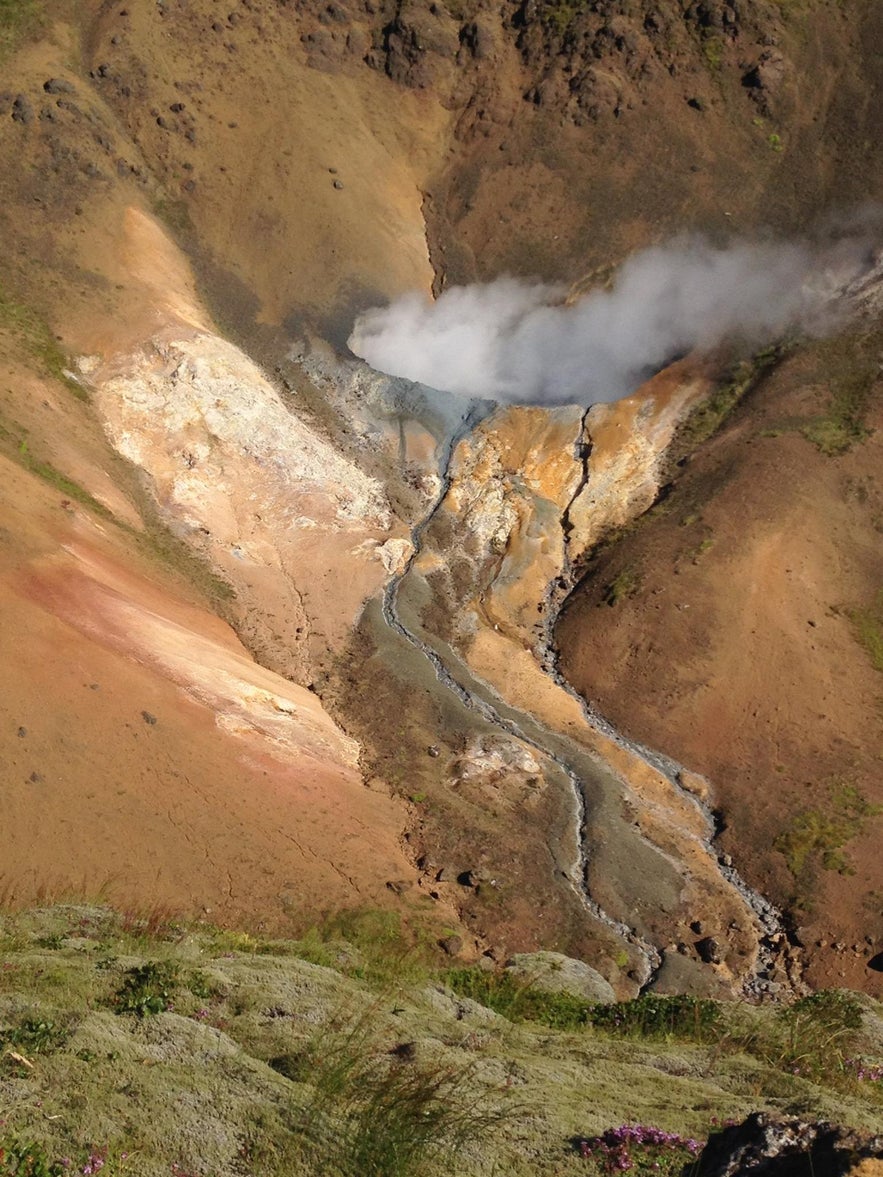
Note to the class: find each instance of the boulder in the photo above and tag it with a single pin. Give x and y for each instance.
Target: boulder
(552, 972)
(771, 1147)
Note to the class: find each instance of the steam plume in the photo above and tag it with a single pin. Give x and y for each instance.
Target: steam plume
(512, 340)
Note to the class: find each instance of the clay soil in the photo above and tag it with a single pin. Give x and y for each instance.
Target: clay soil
(724, 629)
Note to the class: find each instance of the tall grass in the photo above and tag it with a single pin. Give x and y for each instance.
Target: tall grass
(376, 1113)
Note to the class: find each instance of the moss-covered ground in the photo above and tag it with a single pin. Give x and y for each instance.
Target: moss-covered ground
(139, 1046)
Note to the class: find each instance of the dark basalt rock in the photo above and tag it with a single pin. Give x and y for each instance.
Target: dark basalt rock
(769, 1147)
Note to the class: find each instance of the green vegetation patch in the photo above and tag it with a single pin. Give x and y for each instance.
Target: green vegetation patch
(518, 1000)
(708, 416)
(691, 1019)
(25, 324)
(868, 627)
(146, 989)
(816, 837)
(850, 373)
(70, 489)
(18, 18)
(651, 1016)
(625, 585)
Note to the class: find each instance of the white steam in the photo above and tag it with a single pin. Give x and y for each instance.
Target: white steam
(516, 341)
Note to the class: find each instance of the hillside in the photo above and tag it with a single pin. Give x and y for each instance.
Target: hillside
(282, 630)
(138, 1046)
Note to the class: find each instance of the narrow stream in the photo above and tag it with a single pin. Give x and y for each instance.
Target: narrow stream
(587, 777)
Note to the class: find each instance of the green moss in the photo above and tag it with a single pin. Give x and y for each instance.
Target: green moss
(815, 838)
(868, 626)
(623, 586)
(25, 324)
(851, 375)
(18, 18)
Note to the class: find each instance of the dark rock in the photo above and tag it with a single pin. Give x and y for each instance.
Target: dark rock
(709, 950)
(770, 1147)
(405, 1052)
(22, 732)
(876, 963)
(58, 86)
(398, 886)
(148, 718)
(36, 778)
(338, 184)
(696, 103)
(768, 74)
(452, 945)
(22, 111)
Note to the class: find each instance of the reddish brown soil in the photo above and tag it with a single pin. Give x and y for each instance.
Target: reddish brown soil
(737, 656)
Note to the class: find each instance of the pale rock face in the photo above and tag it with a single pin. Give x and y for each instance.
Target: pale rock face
(629, 439)
(274, 507)
(499, 771)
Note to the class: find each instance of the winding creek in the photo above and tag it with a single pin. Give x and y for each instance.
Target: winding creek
(595, 792)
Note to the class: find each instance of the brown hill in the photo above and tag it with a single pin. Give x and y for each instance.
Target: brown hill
(309, 160)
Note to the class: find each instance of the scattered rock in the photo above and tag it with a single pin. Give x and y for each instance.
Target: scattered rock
(58, 86)
(338, 184)
(148, 718)
(452, 945)
(709, 950)
(552, 972)
(22, 111)
(22, 732)
(36, 778)
(876, 963)
(398, 886)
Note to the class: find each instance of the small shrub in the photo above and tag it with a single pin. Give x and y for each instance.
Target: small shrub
(34, 1036)
(22, 1158)
(146, 989)
(656, 1016)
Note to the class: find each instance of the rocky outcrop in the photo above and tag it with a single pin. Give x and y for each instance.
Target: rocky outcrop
(552, 972)
(771, 1147)
(301, 533)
